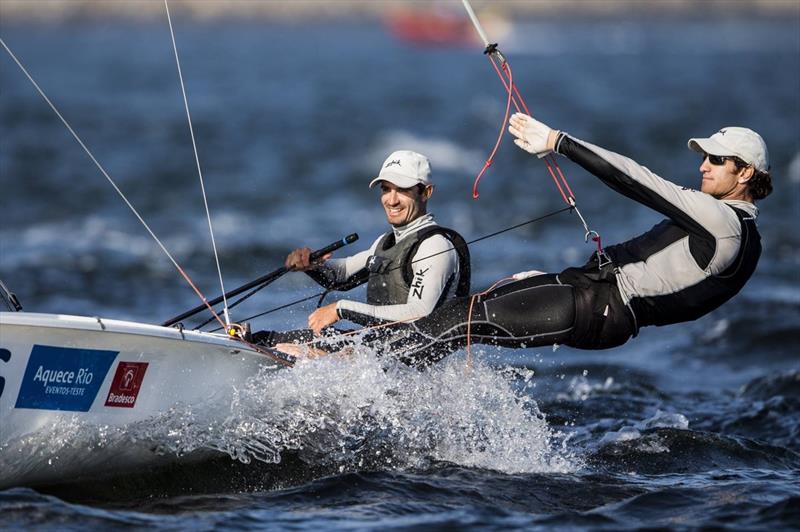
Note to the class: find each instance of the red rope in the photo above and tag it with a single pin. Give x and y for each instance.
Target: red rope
(490, 159)
(549, 160)
(201, 296)
(555, 179)
(516, 98)
(560, 173)
(599, 241)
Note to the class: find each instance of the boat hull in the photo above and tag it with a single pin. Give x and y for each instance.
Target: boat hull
(88, 375)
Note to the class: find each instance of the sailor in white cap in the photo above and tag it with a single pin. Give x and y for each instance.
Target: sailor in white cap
(409, 270)
(735, 164)
(696, 259)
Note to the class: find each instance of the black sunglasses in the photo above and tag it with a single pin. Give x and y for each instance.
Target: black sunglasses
(719, 160)
(716, 160)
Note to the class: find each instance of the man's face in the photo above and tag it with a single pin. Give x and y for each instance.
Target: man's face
(721, 178)
(403, 205)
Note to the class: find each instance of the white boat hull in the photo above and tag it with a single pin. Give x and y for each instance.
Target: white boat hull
(65, 371)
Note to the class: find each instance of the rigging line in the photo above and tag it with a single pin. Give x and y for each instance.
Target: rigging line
(490, 159)
(501, 231)
(108, 177)
(236, 303)
(550, 160)
(475, 22)
(276, 309)
(225, 312)
(491, 51)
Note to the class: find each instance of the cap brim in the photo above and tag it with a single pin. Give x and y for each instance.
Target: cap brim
(395, 179)
(708, 146)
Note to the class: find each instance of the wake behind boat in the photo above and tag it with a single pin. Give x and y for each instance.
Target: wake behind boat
(63, 377)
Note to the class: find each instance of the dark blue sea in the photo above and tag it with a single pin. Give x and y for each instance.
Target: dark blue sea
(690, 426)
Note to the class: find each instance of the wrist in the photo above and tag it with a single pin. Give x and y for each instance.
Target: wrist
(552, 138)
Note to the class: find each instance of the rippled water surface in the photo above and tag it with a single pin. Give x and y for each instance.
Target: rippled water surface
(693, 425)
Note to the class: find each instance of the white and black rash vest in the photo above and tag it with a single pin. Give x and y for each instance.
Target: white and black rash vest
(410, 271)
(689, 264)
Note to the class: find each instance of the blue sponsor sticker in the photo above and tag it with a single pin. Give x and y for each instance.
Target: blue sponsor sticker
(63, 378)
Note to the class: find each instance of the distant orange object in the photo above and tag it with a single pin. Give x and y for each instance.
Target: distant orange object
(431, 27)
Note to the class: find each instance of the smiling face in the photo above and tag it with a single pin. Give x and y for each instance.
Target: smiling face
(404, 205)
(724, 180)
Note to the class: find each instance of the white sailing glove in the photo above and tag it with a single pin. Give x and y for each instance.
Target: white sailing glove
(532, 135)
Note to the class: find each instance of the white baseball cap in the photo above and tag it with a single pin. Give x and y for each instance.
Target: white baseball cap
(741, 142)
(405, 169)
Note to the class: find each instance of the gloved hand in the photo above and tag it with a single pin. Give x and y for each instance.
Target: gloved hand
(532, 136)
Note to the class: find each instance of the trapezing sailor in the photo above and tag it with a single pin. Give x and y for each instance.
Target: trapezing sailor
(695, 260)
(409, 271)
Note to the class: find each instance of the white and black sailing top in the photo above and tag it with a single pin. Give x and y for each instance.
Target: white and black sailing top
(685, 266)
(410, 271)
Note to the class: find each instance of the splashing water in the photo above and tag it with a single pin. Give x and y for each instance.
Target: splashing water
(360, 411)
(343, 413)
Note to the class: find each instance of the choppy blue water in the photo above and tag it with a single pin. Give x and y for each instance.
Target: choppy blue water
(695, 425)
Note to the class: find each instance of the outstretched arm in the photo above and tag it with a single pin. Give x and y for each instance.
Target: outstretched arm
(695, 212)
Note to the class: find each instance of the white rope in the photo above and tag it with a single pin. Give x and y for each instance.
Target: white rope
(199, 171)
(475, 22)
(89, 153)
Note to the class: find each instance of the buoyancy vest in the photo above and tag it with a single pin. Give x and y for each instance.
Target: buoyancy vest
(391, 271)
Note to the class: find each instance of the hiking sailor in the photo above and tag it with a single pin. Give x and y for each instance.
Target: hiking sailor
(681, 269)
(409, 270)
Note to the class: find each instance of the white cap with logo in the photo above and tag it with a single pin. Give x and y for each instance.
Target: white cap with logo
(741, 142)
(405, 169)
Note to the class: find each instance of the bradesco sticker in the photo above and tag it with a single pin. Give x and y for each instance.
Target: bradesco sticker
(125, 386)
(63, 378)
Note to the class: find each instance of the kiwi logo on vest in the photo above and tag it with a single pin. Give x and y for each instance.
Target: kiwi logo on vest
(376, 264)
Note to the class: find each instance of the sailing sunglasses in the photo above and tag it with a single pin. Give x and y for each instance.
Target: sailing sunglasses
(719, 160)
(716, 160)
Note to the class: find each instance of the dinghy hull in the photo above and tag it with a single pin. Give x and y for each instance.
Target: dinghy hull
(101, 375)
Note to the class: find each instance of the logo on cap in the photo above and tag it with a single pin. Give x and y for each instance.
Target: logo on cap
(390, 163)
